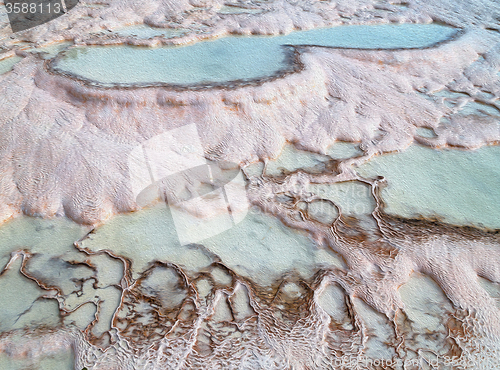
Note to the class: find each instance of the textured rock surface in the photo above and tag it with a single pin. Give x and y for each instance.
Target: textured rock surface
(83, 134)
(397, 291)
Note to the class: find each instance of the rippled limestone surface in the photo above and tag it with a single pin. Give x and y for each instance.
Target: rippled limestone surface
(359, 229)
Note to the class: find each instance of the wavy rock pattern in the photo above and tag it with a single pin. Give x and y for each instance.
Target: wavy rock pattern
(393, 293)
(84, 133)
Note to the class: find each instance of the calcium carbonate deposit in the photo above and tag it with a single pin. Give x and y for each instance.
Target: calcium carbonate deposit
(275, 184)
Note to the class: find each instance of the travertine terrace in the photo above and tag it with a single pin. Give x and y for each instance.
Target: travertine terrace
(379, 291)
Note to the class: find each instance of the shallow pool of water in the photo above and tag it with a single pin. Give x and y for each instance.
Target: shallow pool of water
(7, 64)
(143, 31)
(234, 57)
(260, 247)
(459, 186)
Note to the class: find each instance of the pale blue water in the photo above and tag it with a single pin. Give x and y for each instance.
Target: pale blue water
(260, 247)
(426, 132)
(460, 187)
(143, 31)
(234, 57)
(7, 64)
